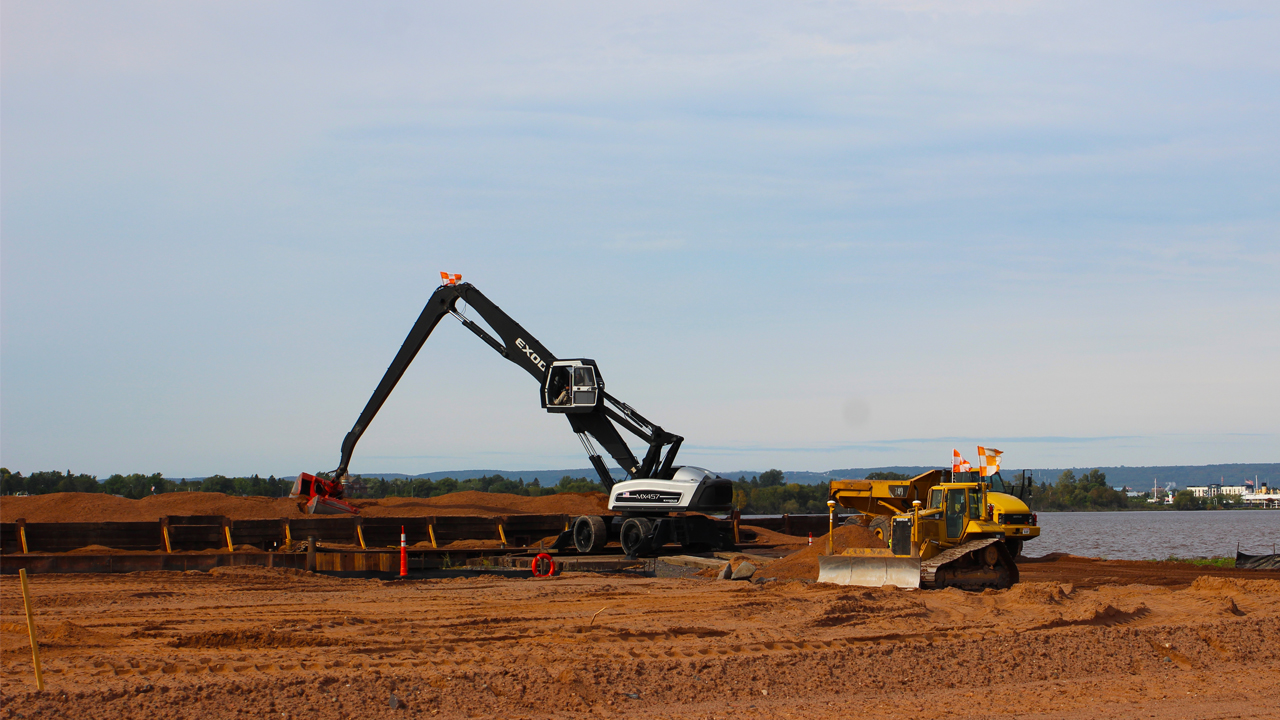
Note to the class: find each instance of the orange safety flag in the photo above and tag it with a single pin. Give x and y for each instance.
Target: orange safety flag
(959, 464)
(989, 461)
(447, 279)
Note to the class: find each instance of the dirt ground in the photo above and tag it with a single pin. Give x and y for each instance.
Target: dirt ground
(1079, 638)
(96, 507)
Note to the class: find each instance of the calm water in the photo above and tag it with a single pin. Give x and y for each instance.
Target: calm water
(1155, 535)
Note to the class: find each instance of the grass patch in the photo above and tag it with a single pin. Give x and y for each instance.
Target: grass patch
(1222, 562)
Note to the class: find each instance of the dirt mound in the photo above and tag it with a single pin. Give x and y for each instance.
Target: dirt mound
(247, 639)
(473, 502)
(803, 564)
(1222, 584)
(70, 634)
(98, 550)
(97, 507)
(750, 534)
(1035, 594)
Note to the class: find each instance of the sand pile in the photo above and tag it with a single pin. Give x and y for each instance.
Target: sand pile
(803, 564)
(751, 534)
(472, 502)
(97, 507)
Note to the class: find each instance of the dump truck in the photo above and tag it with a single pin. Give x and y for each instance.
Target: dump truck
(883, 499)
(943, 528)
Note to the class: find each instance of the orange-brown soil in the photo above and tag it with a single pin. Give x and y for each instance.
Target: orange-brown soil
(96, 507)
(1084, 640)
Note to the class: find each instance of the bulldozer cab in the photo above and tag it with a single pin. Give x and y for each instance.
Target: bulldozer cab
(960, 505)
(572, 386)
(955, 513)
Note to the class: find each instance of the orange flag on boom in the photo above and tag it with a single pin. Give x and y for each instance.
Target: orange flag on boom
(447, 279)
(958, 464)
(989, 461)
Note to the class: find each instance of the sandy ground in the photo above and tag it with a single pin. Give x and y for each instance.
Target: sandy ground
(1077, 639)
(96, 507)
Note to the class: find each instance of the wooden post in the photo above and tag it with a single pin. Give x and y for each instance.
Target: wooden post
(786, 524)
(431, 530)
(737, 515)
(360, 531)
(502, 533)
(22, 534)
(311, 553)
(226, 530)
(288, 537)
(164, 528)
(31, 628)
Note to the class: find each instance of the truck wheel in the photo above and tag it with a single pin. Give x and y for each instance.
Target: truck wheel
(590, 534)
(1014, 545)
(635, 536)
(880, 528)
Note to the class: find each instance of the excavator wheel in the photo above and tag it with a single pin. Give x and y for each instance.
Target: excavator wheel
(635, 536)
(590, 534)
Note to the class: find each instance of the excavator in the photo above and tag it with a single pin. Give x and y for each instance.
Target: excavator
(945, 528)
(659, 502)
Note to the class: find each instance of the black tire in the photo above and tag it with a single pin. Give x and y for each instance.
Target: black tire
(590, 534)
(1014, 546)
(881, 526)
(635, 536)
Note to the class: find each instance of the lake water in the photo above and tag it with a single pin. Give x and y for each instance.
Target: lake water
(1155, 535)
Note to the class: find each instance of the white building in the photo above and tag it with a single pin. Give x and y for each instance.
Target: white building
(1215, 489)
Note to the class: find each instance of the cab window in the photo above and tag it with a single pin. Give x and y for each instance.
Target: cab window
(997, 483)
(935, 498)
(975, 504)
(584, 377)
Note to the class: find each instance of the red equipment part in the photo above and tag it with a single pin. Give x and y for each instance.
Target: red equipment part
(324, 497)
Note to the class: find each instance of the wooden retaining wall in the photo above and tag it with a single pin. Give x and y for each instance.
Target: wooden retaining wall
(211, 532)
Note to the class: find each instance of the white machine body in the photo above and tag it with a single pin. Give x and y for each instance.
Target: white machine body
(690, 488)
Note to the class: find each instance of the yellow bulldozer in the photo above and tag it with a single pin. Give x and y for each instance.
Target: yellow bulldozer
(943, 528)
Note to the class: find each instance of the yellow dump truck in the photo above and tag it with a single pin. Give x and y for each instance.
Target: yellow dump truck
(882, 499)
(943, 529)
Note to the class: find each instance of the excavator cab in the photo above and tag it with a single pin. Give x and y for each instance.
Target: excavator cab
(572, 386)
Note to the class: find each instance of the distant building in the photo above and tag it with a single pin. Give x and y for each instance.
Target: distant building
(1264, 497)
(1215, 489)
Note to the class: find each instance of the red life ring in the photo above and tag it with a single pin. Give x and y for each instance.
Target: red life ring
(551, 565)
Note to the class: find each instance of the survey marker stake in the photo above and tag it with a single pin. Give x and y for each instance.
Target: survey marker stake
(31, 628)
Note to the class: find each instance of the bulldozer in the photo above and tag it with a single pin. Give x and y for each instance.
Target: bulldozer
(943, 528)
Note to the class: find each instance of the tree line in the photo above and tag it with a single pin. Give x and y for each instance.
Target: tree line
(138, 486)
(1090, 491)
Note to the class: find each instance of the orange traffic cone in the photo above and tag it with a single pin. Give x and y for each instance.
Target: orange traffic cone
(405, 555)
(810, 538)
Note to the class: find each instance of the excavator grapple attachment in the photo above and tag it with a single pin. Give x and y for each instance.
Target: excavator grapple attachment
(870, 568)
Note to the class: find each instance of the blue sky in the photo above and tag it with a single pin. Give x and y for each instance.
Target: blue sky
(805, 236)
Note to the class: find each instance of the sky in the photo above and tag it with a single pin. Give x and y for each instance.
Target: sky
(800, 235)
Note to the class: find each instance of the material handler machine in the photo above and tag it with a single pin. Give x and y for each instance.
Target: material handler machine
(944, 528)
(659, 502)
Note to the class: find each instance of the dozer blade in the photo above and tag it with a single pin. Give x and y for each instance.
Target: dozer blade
(869, 570)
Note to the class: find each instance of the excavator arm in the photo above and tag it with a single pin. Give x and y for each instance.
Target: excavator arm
(516, 344)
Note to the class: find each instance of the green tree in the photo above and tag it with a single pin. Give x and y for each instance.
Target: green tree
(772, 478)
(1187, 500)
(218, 483)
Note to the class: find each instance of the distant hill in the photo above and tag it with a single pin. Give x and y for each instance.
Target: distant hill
(1138, 478)
(1141, 478)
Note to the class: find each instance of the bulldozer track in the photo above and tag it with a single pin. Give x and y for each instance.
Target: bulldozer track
(929, 568)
